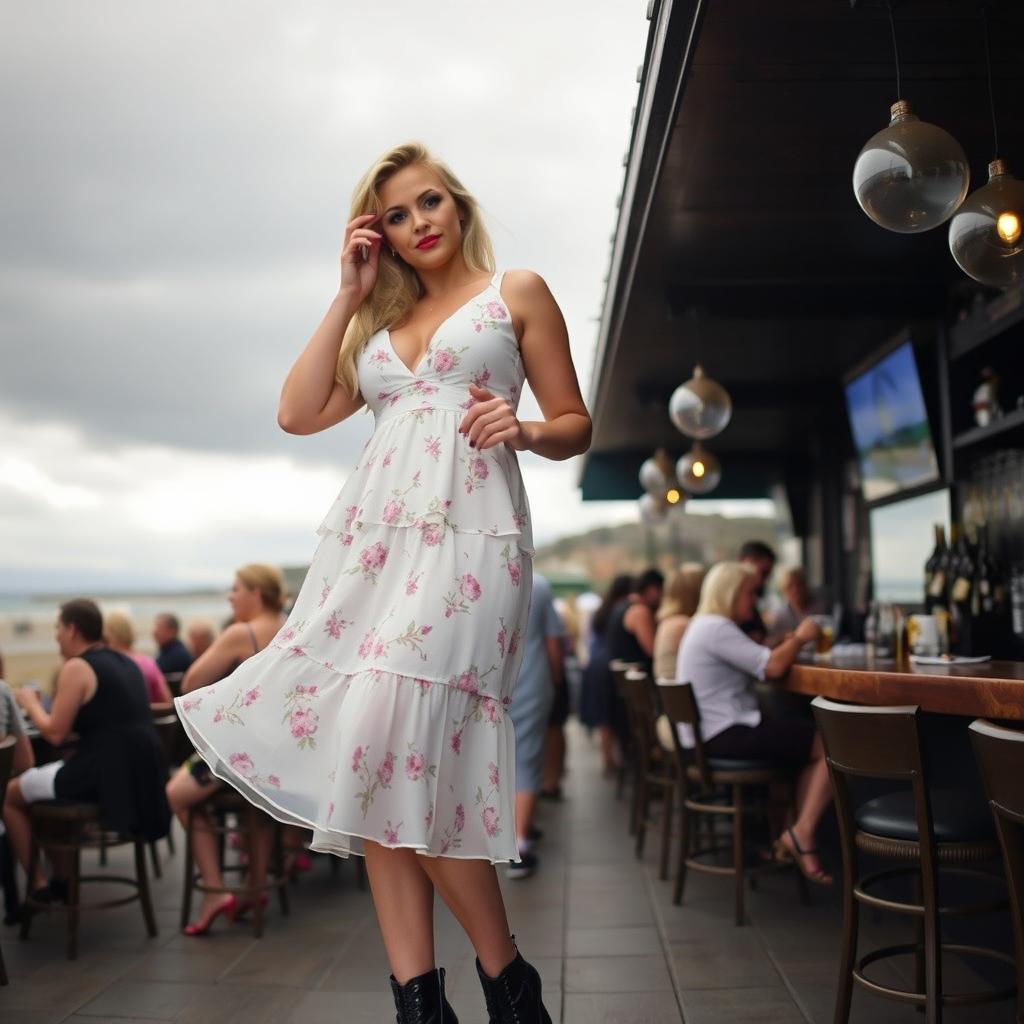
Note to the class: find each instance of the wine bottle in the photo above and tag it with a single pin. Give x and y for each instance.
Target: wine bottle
(960, 593)
(934, 574)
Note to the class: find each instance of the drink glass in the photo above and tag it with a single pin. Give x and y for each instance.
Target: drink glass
(823, 643)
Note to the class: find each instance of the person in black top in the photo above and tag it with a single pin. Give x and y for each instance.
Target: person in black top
(118, 762)
(761, 558)
(173, 656)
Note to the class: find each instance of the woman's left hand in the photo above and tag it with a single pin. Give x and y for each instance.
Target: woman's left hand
(491, 421)
(26, 697)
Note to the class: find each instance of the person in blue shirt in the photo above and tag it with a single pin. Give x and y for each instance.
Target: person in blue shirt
(540, 673)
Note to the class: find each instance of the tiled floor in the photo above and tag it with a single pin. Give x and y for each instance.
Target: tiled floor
(598, 924)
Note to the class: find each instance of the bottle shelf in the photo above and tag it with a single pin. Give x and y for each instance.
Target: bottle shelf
(1011, 421)
(994, 317)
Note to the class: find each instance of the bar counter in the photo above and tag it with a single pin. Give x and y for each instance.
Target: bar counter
(992, 689)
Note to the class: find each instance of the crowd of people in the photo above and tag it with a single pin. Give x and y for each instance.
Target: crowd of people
(700, 626)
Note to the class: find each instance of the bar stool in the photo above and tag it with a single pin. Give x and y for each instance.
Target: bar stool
(249, 822)
(654, 768)
(884, 743)
(71, 827)
(618, 671)
(1000, 755)
(700, 777)
(6, 764)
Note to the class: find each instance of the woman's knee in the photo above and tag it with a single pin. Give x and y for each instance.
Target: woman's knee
(183, 792)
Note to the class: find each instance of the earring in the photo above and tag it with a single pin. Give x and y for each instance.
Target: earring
(394, 253)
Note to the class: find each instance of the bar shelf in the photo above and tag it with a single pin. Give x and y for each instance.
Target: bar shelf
(1011, 421)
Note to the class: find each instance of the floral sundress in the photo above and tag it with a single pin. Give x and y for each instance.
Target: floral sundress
(380, 709)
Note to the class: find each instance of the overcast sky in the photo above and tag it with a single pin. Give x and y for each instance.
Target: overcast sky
(176, 178)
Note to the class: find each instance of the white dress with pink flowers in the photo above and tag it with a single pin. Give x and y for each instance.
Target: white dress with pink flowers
(380, 710)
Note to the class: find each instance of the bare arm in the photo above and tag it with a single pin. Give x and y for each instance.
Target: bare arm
(311, 398)
(76, 684)
(216, 661)
(24, 756)
(544, 345)
(553, 648)
(785, 653)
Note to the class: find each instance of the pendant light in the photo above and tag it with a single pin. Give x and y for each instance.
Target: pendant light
(985, 236)
(698, 471)
(700, 408)
(912, 175)
(652, 509)
(656, 475)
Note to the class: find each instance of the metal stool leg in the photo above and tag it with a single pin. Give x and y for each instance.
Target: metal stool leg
(142, 878)
(74, 898)
(737, 849)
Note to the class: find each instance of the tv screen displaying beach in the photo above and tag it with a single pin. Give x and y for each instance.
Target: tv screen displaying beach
(890, 426)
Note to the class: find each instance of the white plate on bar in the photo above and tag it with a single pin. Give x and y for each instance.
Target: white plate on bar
(948, 659)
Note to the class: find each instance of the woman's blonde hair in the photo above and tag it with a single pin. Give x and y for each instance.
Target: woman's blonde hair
(398, 287)
(268, 580)
(682, 591)
(117, 628)
(722, 584)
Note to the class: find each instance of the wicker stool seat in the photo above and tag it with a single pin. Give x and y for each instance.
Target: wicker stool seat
(885, 743)
(70, 826)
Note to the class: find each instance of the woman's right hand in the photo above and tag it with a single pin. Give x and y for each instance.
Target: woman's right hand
(807, 631)
(358, 275)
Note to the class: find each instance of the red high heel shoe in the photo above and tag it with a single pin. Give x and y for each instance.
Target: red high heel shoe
(230, 910)
(244, 906)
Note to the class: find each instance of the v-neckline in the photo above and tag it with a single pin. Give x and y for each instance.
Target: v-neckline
(437, 330)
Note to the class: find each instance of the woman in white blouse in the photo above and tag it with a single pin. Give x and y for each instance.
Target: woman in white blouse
(721, 663)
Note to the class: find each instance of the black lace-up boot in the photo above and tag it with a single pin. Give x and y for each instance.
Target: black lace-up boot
(421, 1000)
(514, 997)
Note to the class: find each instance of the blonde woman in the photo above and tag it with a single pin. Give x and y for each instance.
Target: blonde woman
(120, 635)
(678, 605)
(395, 669)
(721, 663)
(256, 599)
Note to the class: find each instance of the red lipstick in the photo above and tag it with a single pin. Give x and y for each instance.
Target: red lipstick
(429, 242)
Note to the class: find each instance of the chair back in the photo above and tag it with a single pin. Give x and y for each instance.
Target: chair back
(641, 707)
(618, 669)
(6, 764)
(680, 707)
(174, 682)
(173, 739)
(1000, 755)
(875, 743)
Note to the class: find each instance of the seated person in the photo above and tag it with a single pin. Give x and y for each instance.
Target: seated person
(793, 587)
(118, 762)
(172, 655)
(200, 637)
(721, 663)
(760, 559)
(679, 602)
(11, 725)
(120, 636)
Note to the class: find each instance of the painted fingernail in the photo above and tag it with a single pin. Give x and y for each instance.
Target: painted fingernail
(472, 444)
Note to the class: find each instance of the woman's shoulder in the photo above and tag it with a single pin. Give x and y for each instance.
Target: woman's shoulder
(522, 285)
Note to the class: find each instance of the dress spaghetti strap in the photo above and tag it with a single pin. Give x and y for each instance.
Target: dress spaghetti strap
(252, 636)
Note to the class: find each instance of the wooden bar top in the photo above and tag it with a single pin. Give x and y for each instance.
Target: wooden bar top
(991, 689)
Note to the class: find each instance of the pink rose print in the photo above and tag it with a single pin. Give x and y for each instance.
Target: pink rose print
(456, 742)
(460, 818)
(428, 820)
(512, 565)
(432, 534)
(325, 592)
(469, 587)
(490, 709)
(513, 642)
(425, 630)
(273, 780)
(489, 816)
(357, 756)
(387, 456)
(243, 765)
(433, 448)
(451, 833)
(468, 682)
(330, 810)
(371, 560)
(302, 720)
(444, 360)
(335, 624)
(481, 377)
(391, 834)
(421, 387)
(476, 472)
(366, 645)
(380, 357)
(415, 767)
(412, 584)
(496, 311)
(192, 703)
(350, 516)
(392, 511)
(251, 696)
(492, 772)
(371, 782)
(303, 724)
(386, 769)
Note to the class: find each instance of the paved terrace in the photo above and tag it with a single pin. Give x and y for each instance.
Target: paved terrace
(598, 924)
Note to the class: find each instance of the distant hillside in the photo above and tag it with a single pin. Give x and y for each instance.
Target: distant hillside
(601, 553)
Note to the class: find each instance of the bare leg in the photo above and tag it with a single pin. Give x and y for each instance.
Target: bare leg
(19, 828)
(184, 792)
(610, 753)
(470, 889)
(554, 758)
(526, 807)
(813, 795)
(403, 897)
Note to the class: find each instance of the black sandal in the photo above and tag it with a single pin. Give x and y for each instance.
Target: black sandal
(784, 855)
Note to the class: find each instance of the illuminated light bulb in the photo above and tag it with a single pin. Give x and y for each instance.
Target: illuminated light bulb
(1008, 227)
(912, 175)
(985, 235)
(672, 496)
(700, 408)
(698, 471)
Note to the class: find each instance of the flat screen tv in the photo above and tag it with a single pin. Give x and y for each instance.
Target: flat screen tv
(902, 538)
(890, 427)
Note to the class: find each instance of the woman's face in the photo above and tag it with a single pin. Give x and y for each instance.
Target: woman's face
(420, 220)
(245, 602)
(746, 598)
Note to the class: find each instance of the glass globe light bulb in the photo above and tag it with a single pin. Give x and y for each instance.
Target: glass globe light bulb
(656, 474)
(700, 408)
(672, 496)
(698, 471)
(911, 176)
(652, 509)
(985, 235)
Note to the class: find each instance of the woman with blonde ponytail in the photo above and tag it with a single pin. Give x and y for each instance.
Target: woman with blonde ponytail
(378, 715)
